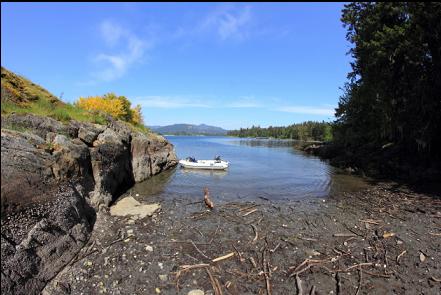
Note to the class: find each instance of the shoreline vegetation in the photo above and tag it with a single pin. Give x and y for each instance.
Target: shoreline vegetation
(306, 131)
(388, 118)
(21, 96)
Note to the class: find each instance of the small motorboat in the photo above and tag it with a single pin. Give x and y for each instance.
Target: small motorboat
(216, 164)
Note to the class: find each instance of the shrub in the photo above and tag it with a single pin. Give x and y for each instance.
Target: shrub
(111, 106)
(117, 106)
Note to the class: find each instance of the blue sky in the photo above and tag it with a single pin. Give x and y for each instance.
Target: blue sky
(225, 64)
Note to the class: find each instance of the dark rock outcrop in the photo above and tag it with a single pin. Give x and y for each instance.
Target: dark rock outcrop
(56, 233)
(54, 177)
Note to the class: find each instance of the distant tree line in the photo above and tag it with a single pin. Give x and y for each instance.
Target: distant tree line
(318, 131)
(391, 107)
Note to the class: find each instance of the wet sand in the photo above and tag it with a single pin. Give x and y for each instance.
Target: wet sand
(382, 240)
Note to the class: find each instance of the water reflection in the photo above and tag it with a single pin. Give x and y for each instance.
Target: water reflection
(219, 174)
(153, 185)
(260, 168)
(267, 142)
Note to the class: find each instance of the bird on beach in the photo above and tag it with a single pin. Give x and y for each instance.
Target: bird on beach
(207, 200)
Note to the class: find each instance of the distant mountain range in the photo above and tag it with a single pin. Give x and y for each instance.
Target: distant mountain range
(189, 129)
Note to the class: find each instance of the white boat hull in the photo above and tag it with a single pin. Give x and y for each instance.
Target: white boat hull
(205, 164)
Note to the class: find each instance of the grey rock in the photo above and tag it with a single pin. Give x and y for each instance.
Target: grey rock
(89, 133)
(25, 171)
(49, 245)
(112, 172)
(38, 124)
(72, 161)
(51, 173)
(151, 155)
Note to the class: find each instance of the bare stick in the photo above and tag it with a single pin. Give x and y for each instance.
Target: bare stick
(359, 265)
(193, 266)
(199, 251)
(312, 292)
(399, 256)
(275, 248)
(199, 232)
(299, 285)
(255, 232)
(344, 235)
(253, 262)
(359, 280)
(223, 257)
(307, 239)
(337, 279)
(265, 273)
(248, 208)
(371, 221)
(184, 242)
(249, 212)
(241, 259)
(214, 283)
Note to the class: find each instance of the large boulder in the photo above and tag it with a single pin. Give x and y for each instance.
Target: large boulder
(112, 171)
(88, 133)
(72, 161)
(111, 166)
(151, 155)
(25, 170)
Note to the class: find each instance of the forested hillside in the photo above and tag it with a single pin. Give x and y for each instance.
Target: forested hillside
(310, 130)
(389, 117)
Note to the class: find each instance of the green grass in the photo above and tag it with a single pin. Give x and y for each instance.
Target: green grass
(16, 128)
(59, 111)
(22, 96)
(138, 127)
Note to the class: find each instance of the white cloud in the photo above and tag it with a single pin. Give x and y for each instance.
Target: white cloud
(308, 110)
(192, 101)
(131, 51)
(228, 22)
(196, 102)
(245, 102)
(224, 21)
(170, 102)
(110, 32)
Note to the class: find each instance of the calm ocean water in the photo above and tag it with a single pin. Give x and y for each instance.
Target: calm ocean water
(270, 169)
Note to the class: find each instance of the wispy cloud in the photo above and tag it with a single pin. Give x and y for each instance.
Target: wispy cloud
(194, 101)
(245, 102)
(229, 22)
(131, 51)
(170, 102)
(225, 22)
(307, 110)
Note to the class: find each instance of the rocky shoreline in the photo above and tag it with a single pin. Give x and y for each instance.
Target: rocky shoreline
(55, 177)
(382, 240)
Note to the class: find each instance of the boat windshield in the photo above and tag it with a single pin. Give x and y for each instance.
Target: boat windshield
(191, 159)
